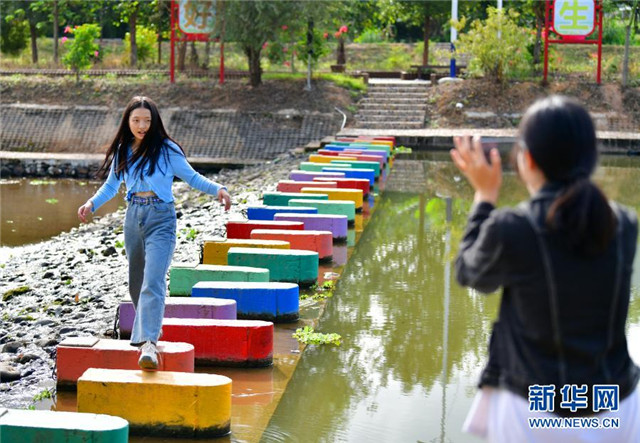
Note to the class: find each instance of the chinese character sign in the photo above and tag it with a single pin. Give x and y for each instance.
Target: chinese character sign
(574, 17)
(196, 17)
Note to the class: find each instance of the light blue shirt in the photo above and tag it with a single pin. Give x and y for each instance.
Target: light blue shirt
(174, 164)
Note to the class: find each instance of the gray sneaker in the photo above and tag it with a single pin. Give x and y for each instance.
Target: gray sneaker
(148, 360)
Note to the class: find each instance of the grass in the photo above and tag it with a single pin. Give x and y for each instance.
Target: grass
(8, 295)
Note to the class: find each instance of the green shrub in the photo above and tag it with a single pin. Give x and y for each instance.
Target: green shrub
(14, 36)
(370, 35)
(496, 57)
(613, 32)
(82, 50)
(146, 41)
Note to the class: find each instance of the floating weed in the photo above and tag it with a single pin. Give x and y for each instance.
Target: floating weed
(82, 183)
(403, 149)
(320, 292)
(52, 201)
(10, 222)
(307, 336)
(39, 218)
(42, 182)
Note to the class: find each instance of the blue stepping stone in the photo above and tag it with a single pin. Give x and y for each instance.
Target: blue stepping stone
(267, 212)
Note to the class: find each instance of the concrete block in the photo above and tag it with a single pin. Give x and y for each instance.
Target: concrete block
(181, 307)
(267, 212)
(368, 174)
(315, 158)
(271, 301)
(355, 164)
(77, 354)
(243, 343)
(317, 167)
(182, 278)
(166, 404)
(316, 241)
(349, 183)
(242, 229)
(295, 186)
(354, 195)
(331, 207)
(214, 251)
(282, 198)
(308, 175)
(336, 224)
(24, 426)
(285, 265)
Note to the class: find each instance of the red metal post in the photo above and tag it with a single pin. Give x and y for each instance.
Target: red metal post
(546, 42)
(172, 59)
(600, 14)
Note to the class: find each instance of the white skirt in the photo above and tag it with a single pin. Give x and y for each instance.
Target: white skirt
(499, 415)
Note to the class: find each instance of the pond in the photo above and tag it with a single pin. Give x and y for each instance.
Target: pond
(414, 341)
(37, 209)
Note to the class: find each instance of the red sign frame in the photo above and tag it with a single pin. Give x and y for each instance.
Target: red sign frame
(177, 35)
(572, 39)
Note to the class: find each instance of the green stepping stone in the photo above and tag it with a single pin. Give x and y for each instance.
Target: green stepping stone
(18, 426)
(282, 198)
(182, 278)
(329, 207)
(357, 164)
(317, 167)
(285, 265)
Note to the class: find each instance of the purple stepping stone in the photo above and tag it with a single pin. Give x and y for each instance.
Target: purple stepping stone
(300, 176)
(181, 307)
(337, 224)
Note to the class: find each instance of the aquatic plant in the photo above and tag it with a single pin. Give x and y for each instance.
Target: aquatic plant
(308, 336)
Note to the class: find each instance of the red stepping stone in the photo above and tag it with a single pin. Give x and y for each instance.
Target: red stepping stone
(294, 186)
(242, 229)
(77, 354)
(349, 183)
(247, 343)
(317, 241)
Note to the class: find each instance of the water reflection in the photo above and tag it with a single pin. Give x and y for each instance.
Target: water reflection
(414, 341)
(33, 210)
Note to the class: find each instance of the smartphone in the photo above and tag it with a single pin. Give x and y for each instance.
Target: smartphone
(486, 148)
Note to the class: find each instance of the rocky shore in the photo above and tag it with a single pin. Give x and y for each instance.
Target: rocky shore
(72, 284)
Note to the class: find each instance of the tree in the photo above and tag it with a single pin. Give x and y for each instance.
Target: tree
(14, 30)
(82, 49)
(253, 23)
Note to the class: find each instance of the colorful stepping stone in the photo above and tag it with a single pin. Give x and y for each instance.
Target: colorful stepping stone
(354, 195)
(267, 212)
(295, 186)
(367, 146)
(214, 251)
(379, 159)
(271, 301)
(317, 167)
(243, 343)
(19, 425)
(182, 278)
(308, 175)
(316, 158)
(349, 183)
(282, 198)
(166, 404)
(77, 354)
(369, 174)
(316, 241)
(331, 207)
(181, 307)
(336, 224)
(357, 164)
(242, 229)
(285, 265)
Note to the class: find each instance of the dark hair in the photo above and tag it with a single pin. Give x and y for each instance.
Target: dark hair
(150, 148)
(559, 134)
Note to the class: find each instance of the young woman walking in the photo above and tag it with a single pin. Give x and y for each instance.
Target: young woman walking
(563, 259)
(147, 159)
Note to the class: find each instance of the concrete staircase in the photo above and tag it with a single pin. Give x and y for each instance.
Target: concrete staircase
(393, 105)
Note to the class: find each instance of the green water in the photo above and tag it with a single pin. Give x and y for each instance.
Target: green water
(414, 342)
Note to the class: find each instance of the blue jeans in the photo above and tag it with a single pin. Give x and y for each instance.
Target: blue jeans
(149, 239)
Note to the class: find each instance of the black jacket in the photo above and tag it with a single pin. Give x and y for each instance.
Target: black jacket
(562, 317)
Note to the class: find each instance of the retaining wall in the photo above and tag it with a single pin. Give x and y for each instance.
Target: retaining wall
(202, 133)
